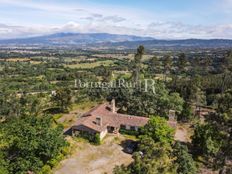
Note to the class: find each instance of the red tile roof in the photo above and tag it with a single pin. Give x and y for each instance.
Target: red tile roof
(108, 118)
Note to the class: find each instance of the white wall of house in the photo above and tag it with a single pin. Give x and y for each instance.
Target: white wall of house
(127, 127)
(103, 134)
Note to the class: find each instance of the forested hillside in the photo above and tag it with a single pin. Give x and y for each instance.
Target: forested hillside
(37, 86)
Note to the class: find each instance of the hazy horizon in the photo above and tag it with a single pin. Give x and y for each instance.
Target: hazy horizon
(150, 37)
(193, 19)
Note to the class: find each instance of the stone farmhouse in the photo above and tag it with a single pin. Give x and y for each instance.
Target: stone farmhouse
(105, 119)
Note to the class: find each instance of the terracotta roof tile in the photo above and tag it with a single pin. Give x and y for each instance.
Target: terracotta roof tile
(108, 118)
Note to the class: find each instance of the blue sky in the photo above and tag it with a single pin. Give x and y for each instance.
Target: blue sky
(163, 19)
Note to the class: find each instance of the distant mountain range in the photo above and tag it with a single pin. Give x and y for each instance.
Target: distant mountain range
(74, 39)
(187, 43)
(111, 41)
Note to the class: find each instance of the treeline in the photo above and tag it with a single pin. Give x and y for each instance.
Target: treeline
(182, 82)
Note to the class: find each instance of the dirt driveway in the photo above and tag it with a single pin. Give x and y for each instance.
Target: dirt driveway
(183, 133)
(90, 159)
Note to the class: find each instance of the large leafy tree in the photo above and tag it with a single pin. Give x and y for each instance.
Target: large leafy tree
(182, 63)
(158, 129)
(15, 105)
(145, 103)
(155, 158)
(3, 163)
(137, 64)
(62, 99)
(225, 102)
(145, 97)
(186, 164)
(154, 151)
(186, 114)
(167, 65)
(153, 65)
(30, 143)
(226, 67)
(207, 139)
(213, 139)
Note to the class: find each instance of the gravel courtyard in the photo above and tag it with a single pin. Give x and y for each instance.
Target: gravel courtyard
(90, 159)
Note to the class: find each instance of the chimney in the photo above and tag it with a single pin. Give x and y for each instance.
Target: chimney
(113, 105)
(171, 115)
(99, 121)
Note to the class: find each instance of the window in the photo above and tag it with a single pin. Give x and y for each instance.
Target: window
(132, 128)
(122, 126)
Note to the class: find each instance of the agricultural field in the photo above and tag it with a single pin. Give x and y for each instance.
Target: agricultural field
(18, 60)
(115, 87)
(42, 87)
(91, 64)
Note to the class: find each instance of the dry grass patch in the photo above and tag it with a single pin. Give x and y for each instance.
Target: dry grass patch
(91, 65)
(18, 60)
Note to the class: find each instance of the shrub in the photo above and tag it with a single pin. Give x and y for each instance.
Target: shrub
(66, 150)
(128, 132)
(57, 116)
(46, 169)
(92, 138)
(55, 161)
(97, 140)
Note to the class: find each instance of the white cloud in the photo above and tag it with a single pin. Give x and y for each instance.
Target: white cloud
(90, 18)
(102, 18)
(114, 19)
(159, 30)
(74, 10)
